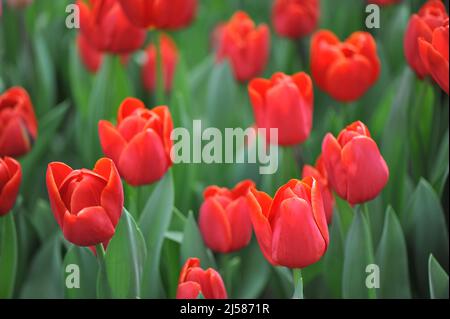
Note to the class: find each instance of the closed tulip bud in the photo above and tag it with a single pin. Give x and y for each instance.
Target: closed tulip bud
(169, 58)
(87, 204)
(10, 179)
(244, 45)
(319, 173)
(292, 228)
(107, 29)
(295, 18)
(431, 15)
(434, 56)
(161, 14)
(286, 103)
(18, 125)
(344, 70)
(224, 218)
(140, 144)
(356, 170)
(194, 281)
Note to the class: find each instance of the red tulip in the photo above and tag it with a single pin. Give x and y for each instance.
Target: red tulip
(91, 57)
(18, 125)
(286, 103)
(140, 144)
(169, 56)
(194, 280)
(10, 179)
(383, 2)
(356, 169)
(245, 45)
(86, 204)
(319, 173)
(106, 28)
(224, 218)
(161, 14)
(291, 229)
(421, 25)
(295, 18)
(434, 56)
(345, 70)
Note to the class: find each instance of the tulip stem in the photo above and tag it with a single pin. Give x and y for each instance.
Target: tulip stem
(298, 284)
(103, 290)
(159, 70)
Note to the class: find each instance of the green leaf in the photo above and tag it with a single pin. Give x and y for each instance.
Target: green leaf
(438, 279)
(193, 245)
(8, 255)
(45, 278)
(154, 223)
(439, 171)
(334, 257)
(221, 96)
(43, 220)
(254, 272)
(426, 231)
(392, 260)
(87, 267)
(125, 258)
(358, 255)
(346, 214)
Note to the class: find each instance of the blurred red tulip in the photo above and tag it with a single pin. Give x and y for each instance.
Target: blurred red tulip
(286, 103)
(140, 144)
(86, 204)
(356, 170)
(319, 173)
(224, 218)
(169, 56)
(10, 179)
(292, 228)
(18, 125)
(91, 57)
(245, 45)
(345, 70)
(421, 25)
(434, 56)
(194, 280)
(107, 29)
(161, 14)
(295, 18)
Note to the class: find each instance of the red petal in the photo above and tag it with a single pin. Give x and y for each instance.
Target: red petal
(331, 155)
(214, 226)
(111, 141)
(56, 174)
(238, 215)
(10, 189)
(188, 290)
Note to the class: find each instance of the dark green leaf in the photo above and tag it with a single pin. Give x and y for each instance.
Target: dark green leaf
(8, 255)
(87, 265)
(438, 279)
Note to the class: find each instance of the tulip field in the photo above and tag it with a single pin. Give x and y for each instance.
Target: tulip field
(224, 149)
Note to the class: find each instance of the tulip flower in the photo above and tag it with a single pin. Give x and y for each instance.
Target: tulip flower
(10, 179)
(319, 173)
(295, 18)
(345, 70)
(291, 228)
(107, 29)
(286, 103)
(244, 45)
(140, 144)
(356, 170)
(169, 57)
(87, 204)
(431, 15)
(194, 281)
(91, 57)
(18, 125)
(161, 14)
(434, 56)
(224, 218)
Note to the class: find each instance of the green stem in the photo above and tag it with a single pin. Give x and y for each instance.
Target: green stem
(298, 284)
(103, 290)
(159, 71)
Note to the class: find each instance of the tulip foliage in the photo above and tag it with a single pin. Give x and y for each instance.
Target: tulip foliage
(90, 184)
